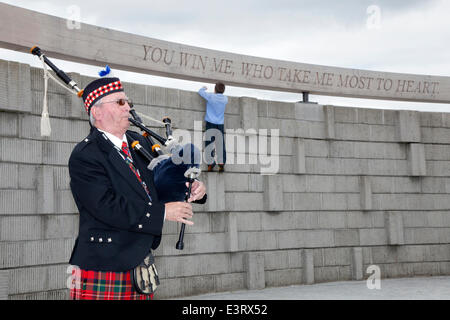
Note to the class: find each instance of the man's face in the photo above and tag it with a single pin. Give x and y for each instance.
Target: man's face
(110, 116)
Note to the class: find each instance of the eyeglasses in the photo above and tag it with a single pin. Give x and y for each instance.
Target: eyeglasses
(120, 102)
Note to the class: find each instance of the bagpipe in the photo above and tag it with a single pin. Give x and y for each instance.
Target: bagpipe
(171, 168)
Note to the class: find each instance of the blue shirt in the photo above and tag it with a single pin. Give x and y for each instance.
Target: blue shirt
(215, 106)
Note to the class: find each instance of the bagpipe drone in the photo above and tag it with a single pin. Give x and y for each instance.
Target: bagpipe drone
(171, 169)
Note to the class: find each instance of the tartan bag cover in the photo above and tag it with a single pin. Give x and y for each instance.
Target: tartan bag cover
(103, 285)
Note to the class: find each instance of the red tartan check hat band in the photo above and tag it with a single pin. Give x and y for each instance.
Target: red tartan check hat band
(98, 89)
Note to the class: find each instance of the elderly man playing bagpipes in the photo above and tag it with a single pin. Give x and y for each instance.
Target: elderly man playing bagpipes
(121, 208)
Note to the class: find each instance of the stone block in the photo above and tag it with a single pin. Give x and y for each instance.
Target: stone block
(311, 130)
(45, 190)
(193, 265)
(229, 282)
(346, 114)
(215, 188)
(437, 152)
(237, 182)
(191, 101)
(329, 120)
(343, 149)
(421, 236)
(254, 266)
(285, 277)
(365, 192)
(181, 287)
(382, 133)
(233, 107)
(299, 156)
(262, 240)
(369, 150)
(8, 124)
(30, 253)
(390, 117)
(38, 279)
(9, 176)
(282, 259)
(336, 257)
(232, 232)
(17, 201)
(394, 228)
(372, 237)
(409, 126)
(60, 226)
(316, 148)
(350, 131)
(15, 86)
(353, 201)
(358, 220)
(289, 128)
(251, 221)
(317, 238)
(239, 201)
(273, 193)
(370, 116)
(56, 153)
(309, 111)
(280, 221)
(433, 119)
(326, 274)
(306, 201)
(20, 150)
(45, 295)
(4, 284)
(357, 264)
(62, 178)
(20, 228)
(283, 110)
(332, 220)
(294, 183)
(416, 158)
(346, 237)
(255, 183)
(249, 113)
(262, 107)
(156, 96)
(308, 266)
(346, 184)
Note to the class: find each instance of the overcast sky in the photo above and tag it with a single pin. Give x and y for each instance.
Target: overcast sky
(405, 36)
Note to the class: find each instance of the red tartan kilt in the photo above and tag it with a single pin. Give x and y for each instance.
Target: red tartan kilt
(103, 285)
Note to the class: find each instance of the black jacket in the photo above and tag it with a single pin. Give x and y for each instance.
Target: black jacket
(118, 223)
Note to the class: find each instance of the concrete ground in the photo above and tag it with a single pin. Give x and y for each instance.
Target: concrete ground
(426, 288)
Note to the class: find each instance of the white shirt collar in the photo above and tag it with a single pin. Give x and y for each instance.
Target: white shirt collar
(116, 141)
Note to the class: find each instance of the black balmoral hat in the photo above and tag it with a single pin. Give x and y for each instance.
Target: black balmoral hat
(98, 89)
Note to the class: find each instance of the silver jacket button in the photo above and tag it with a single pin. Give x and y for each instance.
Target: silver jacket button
(109, 240)
(100, 240)
(92, 239)
(147, 215)
(140, 226)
